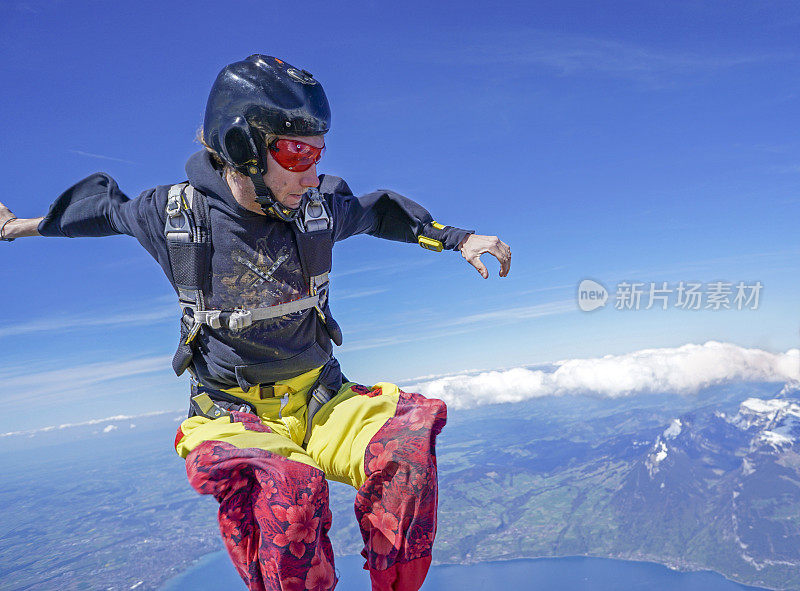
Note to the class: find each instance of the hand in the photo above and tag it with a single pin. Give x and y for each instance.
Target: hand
(475, 245)
(17, 228)
(5, 216)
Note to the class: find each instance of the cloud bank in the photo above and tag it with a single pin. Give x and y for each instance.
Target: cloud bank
(683, 370)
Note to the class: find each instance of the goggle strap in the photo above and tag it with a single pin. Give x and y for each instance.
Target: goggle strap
(258, 183)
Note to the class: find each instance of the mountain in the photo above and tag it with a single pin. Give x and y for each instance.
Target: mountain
(721, 492)
(714, 488)
(703, 481)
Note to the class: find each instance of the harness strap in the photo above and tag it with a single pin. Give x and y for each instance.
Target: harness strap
(188, 236)
(214, 404)
(319, 396)
(239, 319)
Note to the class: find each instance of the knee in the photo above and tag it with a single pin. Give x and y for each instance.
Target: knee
(423, 414)
(299, 516)
(402, 462)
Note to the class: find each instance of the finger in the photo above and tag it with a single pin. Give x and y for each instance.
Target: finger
(506, 262)
(504, 256)
(476, 262)
(505, 266)
(505, 248)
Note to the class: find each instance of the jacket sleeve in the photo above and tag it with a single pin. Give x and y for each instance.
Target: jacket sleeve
(96, 206)
(384, 214)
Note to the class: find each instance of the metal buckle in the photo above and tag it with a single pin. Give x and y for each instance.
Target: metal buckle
(240, 319)
(320, 290)
(181, 232)
(205, 406)
(209, 317)
(174, 197)
(315, 215)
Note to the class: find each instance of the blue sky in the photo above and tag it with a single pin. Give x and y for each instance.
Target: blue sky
(613, 141)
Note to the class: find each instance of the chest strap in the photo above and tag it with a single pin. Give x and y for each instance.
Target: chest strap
(239, 319)
(187, 231)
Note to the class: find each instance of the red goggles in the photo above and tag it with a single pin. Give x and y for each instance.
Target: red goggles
(295, 155)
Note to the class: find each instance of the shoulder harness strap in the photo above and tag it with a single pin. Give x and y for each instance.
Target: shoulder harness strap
(188, 242)
(314, 233)
(188, 235)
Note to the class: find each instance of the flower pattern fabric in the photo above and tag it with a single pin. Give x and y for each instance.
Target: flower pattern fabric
(273, 515)
(396, 506)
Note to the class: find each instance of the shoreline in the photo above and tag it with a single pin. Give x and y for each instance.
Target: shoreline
(671, 566)
(173, 583)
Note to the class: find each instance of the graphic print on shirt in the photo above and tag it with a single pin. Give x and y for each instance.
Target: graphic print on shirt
(261, 276)
(263, 273)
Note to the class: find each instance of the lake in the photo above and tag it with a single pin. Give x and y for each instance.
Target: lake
(214, 572)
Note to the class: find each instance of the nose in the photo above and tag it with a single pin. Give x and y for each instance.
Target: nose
(309, 178)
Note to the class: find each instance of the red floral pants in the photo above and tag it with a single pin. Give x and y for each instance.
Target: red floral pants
(273, 494)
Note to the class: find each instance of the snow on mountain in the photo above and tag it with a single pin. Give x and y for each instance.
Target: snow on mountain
(775, 422)
(766, 424)
(674, 429)
(660, 450)
(726, 482)
(658, 455)
(792, 388)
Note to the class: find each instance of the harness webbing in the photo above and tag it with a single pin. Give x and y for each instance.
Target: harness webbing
(188, 234)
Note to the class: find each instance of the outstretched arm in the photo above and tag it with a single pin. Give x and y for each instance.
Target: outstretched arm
(474, 245)
(95, 206)
(386, 214)
(389, 215)
(12, 227)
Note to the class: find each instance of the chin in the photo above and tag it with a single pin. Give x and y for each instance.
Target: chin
(291, 202)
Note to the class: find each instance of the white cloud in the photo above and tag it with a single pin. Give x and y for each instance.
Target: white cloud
(683, 370)
(32, 432)
(110, 428)
(101, 156)
(465, 324)
(83, 321)
(390, 267)
(360, 294)
(79, 378)
(513, 315)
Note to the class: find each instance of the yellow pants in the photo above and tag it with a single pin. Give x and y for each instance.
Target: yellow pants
(273, 495)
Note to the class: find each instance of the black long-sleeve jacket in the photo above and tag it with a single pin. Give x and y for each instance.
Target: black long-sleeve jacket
(254, 262)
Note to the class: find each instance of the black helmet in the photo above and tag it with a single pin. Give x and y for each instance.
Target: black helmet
(261, 95)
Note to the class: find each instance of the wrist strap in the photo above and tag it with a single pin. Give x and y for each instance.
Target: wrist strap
(3, 229)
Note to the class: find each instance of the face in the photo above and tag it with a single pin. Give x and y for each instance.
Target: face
(288, 186)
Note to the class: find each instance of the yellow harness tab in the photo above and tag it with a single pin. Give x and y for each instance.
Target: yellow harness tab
(208, 408)
(193, 333)
(437, 225)
(204, 402)
(430, 244)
